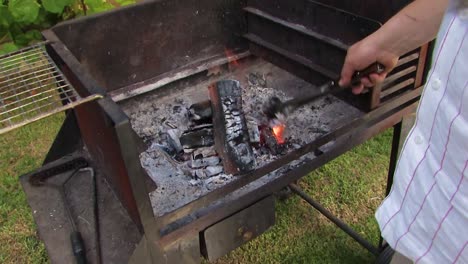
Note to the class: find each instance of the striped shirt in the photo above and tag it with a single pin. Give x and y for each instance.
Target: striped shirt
(425, 216)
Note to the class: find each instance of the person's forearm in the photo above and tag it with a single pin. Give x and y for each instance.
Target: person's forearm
(410, 28)
(413, 26)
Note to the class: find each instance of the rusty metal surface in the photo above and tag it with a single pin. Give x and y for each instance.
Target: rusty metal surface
(118, 234)
(243, 226)
(139, 42)
(304, 37)
(101, 140)
(352, 128)
(308, 39)
(377, 10)
(67, 140)
(155, 45)
(364, 128)
(304, 69)
(167, 78)
(338, 24)
(105, 130)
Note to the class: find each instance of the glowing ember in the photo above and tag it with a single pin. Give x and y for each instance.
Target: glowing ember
(278, 132)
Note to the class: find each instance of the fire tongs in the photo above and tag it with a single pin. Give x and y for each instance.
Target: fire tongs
(276, 110)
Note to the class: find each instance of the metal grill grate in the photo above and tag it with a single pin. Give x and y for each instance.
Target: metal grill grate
(32, 87)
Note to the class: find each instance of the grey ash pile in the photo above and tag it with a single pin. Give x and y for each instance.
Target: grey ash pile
(181, 157)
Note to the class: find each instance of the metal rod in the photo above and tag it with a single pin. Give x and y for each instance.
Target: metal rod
(47, 70)
(13, 63)
(52, 112)
(393, 156)
(28, 69)
(96, 213)
(17, 57)
(32, 87)
(14, 90)
(343, 226)
(30, 103)
(392, 164)
(54, 89)
(29, 84)
(57, 72)
(24, 50)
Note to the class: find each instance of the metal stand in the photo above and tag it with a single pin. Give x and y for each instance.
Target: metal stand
(400, 131)
(342, 225)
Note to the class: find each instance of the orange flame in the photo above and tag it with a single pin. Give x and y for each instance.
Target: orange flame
(278, 132)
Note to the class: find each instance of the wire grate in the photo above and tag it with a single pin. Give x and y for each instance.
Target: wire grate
(32, 87)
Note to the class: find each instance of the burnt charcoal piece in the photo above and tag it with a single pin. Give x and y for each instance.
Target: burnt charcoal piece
(182, 156)
(176, 109)
(201, 126)
(197, 138)
(205, 152)
(213, 170)
(257, 79)
(231, 137)
(269, 141)
(173, 139)
(201, 112)
(207, 172)
(254, 132)
(199, 174)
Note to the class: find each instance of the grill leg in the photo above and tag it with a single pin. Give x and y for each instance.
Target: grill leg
(342, 225)
(400, 132)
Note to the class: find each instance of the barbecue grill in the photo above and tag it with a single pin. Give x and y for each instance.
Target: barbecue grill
(157, 66)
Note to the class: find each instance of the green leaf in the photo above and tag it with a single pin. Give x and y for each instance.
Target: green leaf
(45, 19)
(5, 17)
(8, 47)
(125, 2)
(24, 11)
(56, 6)
(26, 38)
(97, 6)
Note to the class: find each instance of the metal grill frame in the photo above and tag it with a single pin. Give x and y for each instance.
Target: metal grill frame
(32, 87)
(110, 132)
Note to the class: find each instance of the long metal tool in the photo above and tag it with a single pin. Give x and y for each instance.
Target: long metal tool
(275, 109)
(76, 239)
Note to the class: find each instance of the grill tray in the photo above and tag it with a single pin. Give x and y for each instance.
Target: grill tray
(32, 87)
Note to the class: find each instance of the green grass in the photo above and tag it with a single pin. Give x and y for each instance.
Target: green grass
(351, 186)
(21, 151)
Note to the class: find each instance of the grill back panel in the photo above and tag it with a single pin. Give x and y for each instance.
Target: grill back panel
(138, 42)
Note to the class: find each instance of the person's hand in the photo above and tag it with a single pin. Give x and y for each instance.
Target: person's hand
(361, 55)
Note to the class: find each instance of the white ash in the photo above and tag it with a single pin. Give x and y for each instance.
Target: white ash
(153, 115)
(213, 170)
(204, 152)
(174, 136)
(175, 187)
(204, 162)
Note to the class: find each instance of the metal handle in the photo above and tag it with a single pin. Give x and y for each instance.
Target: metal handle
(78, 247)
(373, 68)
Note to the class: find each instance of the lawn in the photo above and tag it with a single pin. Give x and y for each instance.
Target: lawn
(351, 186)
